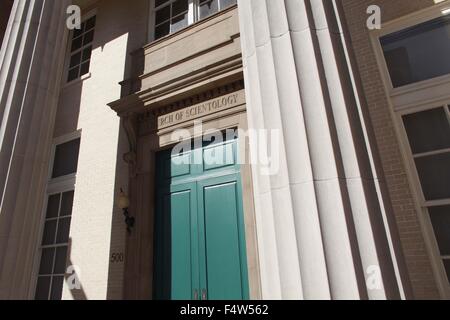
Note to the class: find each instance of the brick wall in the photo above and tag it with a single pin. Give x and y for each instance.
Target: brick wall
(417, 258)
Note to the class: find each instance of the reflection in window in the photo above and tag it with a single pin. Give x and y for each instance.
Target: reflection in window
(173, 15)
(418, 53)
(429, 137)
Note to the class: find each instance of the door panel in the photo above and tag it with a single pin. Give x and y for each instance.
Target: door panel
(200, 250)
(224, 244)
(176, 273)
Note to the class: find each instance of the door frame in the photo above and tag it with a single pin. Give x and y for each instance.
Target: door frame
(140, 245)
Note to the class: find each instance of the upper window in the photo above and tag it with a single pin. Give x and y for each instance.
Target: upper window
(173, 15)
(81, 49)
(66, 159)
(418, 53)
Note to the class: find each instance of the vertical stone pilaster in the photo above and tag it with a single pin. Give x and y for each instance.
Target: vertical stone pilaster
(31, 63)
(321, 225)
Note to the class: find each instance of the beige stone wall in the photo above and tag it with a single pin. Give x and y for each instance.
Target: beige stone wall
(416, 255)
(97, 228)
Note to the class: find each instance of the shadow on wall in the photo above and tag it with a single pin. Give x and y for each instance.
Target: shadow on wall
(107, 31)
(5, 12)
(73, 279)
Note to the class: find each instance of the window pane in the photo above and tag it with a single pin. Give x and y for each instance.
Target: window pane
(208, 7)
(73, 74)
(428, 130)
(57, 286)
(76, 44)
(49, 233)
(75, 60)
(60, 260)
(440, 219)
(87, 53)
(162, 15)
(42, 288)
(53, 206)
(63, 231)
(226, 3)
(418, 53)
(67, 204)
(66, 158)
(88, 37)
(85, 68)
(79, 32)
(179, 6)
(90, 23)
(162, 30)
(447, 268)
(179, 23)
(434, 173)
(46, 266)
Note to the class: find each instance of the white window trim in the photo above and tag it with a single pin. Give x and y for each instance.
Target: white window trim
(397, 112)
(66, 83)
(54, 186)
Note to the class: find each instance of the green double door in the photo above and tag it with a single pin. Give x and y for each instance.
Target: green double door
(200, 247)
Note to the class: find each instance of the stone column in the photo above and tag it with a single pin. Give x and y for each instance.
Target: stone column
(31, 62)
(321, 219)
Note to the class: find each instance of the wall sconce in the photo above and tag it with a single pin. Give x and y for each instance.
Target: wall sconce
(123, 202)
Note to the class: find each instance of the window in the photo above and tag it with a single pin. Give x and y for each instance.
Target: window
(81, 50)
(428, 133)
(54, 246)
(56, 226)
(418, 53)
(173, 15)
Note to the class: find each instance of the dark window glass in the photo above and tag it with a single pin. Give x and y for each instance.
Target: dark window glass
(179, 6)
(434, 174)
(63, 230)
(440, 219)
(162, 30)
(418, 53)
(46, 267)
(60, 260)
(53, 206)
(66, 204)
(85, 68)
(66, 158)
(162, 15)
(428, 130)
(57, 286)
(73, 74)
(76, 44)
(87, 53)
(75, 60)
(90, 23)
(42, 288)
(49, 233)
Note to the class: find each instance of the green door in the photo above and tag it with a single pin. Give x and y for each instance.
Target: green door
(199, 229)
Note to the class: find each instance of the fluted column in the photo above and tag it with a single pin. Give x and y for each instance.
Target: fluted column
(31, 61)
(299, 81)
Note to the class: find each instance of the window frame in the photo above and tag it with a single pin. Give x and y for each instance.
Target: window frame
(402, 101)
(58, 185)
(66, 82)
(193, 16)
